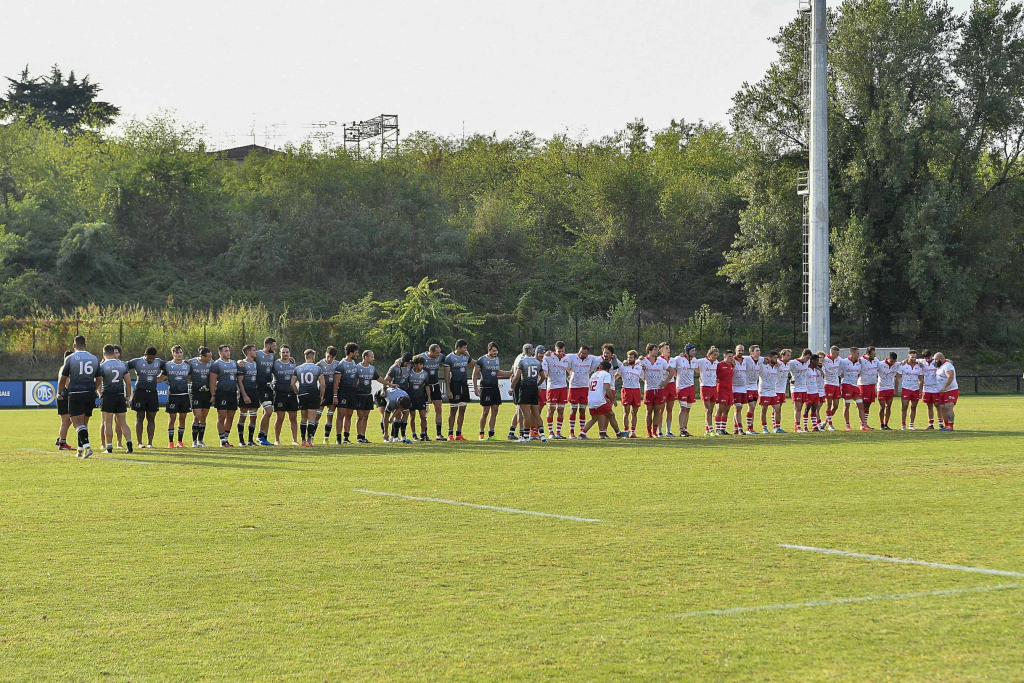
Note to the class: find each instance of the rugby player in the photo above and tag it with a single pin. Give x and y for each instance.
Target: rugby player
(145, 399)
(724, 372)
(910, 374)
(513, 392)
(601, 399)
(62, 413)
(556, 369)
(668, 392)
(887, 372)
(419, 395)
(708, 387)
(328, 367)
(366, 373)
(116, 384)
(457, 365)
(780, 388)
(78, 384)
(309, 388)
(526, 379)
(830, 366)
(768, 376)
(486, 374)
(264, 393)
(397, 403)
(432, 362)
(949, 390)
(681, 374)
(248, 394)
(814, 382)
(751, 363)
(655, 369)
(580, 365)
(931, 389)
(224, 385)
(199, 371)
(176, 373)
(630, 372)
(346, 380)
(285, 400)
(849, 373)
(868, 382)
(798, 388)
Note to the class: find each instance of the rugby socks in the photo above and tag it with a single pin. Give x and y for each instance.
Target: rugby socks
(181, 434)
(170, 435)
(83, 436)
(302, 431)
(311, 431)
(252, 430)
(241, 430)
(558, 426)
(346, 437)
(329, 425)
(551, 425)
(394, 430)
(202, 432)
(750, 421)
(438, 425)
(828, 418)
(489, 433)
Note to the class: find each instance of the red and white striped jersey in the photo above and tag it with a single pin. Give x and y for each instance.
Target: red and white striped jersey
(654, 373)
(555, 369)
(887, 375)
(708, 371)
(911, 374)
(630, 375)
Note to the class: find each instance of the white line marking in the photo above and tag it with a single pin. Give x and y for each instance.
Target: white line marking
(844, 601)
(482, 507)
(91, 457)
(901, 560)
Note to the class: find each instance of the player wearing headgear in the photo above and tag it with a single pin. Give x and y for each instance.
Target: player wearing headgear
(346, 380)
(285, 400)
(224, 385)
(419, 395)
(910, 373)
(707, 367)
(248, 394)
(457, 365)
(486, 375)
(265, 394)
(179, 404)
(949, 390)
(527, 376)
(328, 367)
(309, 387)
(116, 384)
(432, 362)
(580, 365)
(556, 369)
(631, 373)
(366, 373)
(78, 383)
(145, 399)
(199, 371)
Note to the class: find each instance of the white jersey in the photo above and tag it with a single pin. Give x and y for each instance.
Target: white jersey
(931, 382)
(630, 375)
(798, 369)
(887, 375)
(780, 379)
(815, 382)
(684, 371)
(911, 376)
(555, 370)
(581, 369)
(769, 375)
(868, 372)
(752, 366)
(849, 371)
(831, 369)
(654, 373)
(945, 372)
(708, 371)
(598, 395)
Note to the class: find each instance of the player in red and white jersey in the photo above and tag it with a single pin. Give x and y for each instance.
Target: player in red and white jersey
(868, 381)
(655, 370)
(949, 390)
(669, 391)
(739, 388)
(751, 364)
(849, 374)
(680, 371)
(830, 366)
(631, 373)
(768, 376)
(888, 369)
(798, 389)
(931, 388)
(724, 372)
(556, 368)
(581, 364)
(821, 390)
(911, 375)
(814, 382)
(708, 387)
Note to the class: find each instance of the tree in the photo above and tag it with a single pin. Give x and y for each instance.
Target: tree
(426, 315)
(67, 104)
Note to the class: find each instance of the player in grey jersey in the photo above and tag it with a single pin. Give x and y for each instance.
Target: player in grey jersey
(78, 384)
(116, 384)
(225, 384)
(176, 372)
(145, 400)
(328, 367)
(528, 374)
(285, 400)
(308, 385)
(433, 360)
(264, 376)
(346, 379)
(248, 394)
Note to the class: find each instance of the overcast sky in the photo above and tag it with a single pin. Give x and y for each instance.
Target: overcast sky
(548, 66)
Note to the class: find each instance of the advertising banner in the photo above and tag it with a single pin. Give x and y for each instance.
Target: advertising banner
(40, 393)
(12, 394)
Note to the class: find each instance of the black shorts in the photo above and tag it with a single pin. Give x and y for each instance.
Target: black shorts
(328, 400)
(264, 395)
(81, 403)
(347, 398)
(145, 401)
(179, 403)
(114, 402)
(364, 402)
(310, 401)
(516, 391)
(286, 401)
(460, 391)
(254, 399)
(418, 402)
(490, 396)
(226, 400)
(529, 395)
(201, 400)
(435, 392)
(62, 405)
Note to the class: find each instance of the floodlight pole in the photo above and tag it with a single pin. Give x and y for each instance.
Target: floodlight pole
(819, 324)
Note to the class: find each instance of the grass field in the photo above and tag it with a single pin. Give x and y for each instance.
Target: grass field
(271, 564)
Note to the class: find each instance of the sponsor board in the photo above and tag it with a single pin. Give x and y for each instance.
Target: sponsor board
(12, 394)
(40, 393)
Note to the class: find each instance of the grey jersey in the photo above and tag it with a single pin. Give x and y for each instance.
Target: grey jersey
(459, 365)
(349, 371)
(489, 369)
(309, 378)
(283, 375)
(366, 375)
(113, 372)
(417, 384)
(200, 374)
(147, 375)
(433, 366)
(177, 376)
(227, 373)
(400, 376)
(249, 370)
(264, 367)
(327, 369)
(531, 369)
(81, 369)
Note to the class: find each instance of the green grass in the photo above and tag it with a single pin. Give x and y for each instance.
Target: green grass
(267, 564)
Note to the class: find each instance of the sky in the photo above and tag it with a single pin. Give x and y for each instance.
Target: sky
(276, 69)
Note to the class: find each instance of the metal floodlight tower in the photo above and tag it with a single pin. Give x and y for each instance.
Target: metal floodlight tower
(384, 127)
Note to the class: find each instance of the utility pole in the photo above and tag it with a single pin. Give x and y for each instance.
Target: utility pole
(819, 323)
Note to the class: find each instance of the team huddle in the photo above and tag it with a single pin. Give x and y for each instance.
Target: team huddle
(545, 385)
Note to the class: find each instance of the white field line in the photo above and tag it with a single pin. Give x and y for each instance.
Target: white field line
(845, 601)
(902, 560)
(91, 457)
(482, 507)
